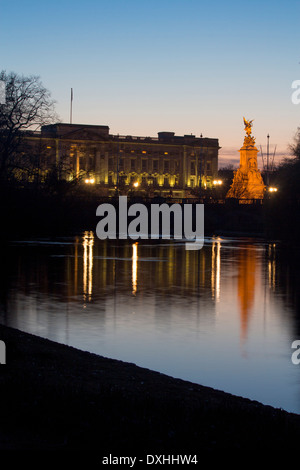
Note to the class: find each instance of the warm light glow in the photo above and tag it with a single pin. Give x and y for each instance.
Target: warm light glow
(88, 243)
(90, 181)
(216, 269)
(134, 267)
(136, 184)
(272, 190)
(217, 182)
(246, 284)
(272, 266)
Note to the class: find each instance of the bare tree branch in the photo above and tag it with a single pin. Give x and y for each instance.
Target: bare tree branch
(28, 106)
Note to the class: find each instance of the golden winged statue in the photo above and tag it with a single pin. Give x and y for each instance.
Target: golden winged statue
(248, 126)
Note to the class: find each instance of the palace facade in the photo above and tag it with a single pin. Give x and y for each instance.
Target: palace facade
(162, 165)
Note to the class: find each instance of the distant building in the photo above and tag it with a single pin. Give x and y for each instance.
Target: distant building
(167, 164)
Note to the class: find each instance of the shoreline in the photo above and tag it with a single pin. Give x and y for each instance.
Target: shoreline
(60, 398)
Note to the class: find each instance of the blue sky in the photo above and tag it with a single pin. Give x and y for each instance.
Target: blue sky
(146, 66)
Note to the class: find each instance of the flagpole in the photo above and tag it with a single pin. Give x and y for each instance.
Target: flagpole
(71, 106)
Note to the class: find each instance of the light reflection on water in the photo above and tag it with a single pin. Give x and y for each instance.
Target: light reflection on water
(224, 316)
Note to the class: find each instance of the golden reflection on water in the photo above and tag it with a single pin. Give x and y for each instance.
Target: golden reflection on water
(185, 270)
(232, 292)
(272, 265)
(227, 285)
(247, 271)
(134, 267)
(216, 268)
(88, 243)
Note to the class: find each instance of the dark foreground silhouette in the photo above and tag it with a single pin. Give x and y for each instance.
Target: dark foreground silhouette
(59, 398)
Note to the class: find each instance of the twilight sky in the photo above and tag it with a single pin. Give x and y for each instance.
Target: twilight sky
(140, 67)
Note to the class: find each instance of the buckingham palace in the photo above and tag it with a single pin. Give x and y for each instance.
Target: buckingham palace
(166, 165)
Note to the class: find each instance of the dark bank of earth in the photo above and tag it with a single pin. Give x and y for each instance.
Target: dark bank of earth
(56, 397)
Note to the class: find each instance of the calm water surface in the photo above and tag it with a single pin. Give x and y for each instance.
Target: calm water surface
(224, 316)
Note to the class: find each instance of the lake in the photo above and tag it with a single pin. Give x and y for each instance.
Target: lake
(224, 316)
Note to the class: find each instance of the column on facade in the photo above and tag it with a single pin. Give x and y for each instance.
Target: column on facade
(184, 167)
(98, 166)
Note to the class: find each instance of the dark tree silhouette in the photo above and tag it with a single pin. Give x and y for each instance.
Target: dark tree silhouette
(287, 174)
(282, 208)
(28, 105)
(226, 174)
(295, 147)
